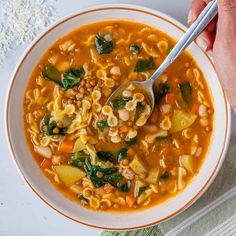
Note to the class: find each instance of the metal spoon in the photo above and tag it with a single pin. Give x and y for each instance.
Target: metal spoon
(194, 30)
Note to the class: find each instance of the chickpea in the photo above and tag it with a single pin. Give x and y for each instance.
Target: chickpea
(56, 130)
(124, 114)
(115, 70)
(202, 110)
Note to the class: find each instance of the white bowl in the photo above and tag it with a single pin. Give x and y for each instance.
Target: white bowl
(29, 168)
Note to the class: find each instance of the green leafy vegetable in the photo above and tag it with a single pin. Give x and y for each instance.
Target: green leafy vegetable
(125, 187)
(92, 171)
(83, 198)
(52, 74)
(119, 102)
(106, 156)
(186, 91)
(134, 48)
(143, 65)
(103, 46)
(78, 158)
(102, 124)
(50, 126)
(165, 175)
(113, 179)
(110, 175)
(69, 80)
(131, 142)
(141, 190)
(122, 154)
(140, 106)
(72, 77)
(162, 91)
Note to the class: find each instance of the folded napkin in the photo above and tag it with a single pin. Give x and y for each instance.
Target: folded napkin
(213, 214)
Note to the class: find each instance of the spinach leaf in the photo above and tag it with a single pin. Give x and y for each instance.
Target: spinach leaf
(134, 48)
(113, 179)
(143, 65)
(92, 171)
(186, 91)
(103, 46)
(125, 187)
(52, 74)
(131, 142)
(106, 156)
(51, 126)
(72, 77)
(45, 121)
(83, 198)
(162, 91)
(165, 175)
(141, 190)
(102, 124)
(119, 102)
(78, 158)
(110, 175)
(122, 154)
(140, 106)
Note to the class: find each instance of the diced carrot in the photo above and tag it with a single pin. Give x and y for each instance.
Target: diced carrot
(108, 188)
(154, 116)
(123, 130)
(165, 151)
(170, 98)
(46, 163)
(195, 108)
(66, 146)
(130, 199)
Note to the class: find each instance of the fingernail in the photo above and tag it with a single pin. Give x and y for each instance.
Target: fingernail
(210, 53)
(190, 16)
(202, 43)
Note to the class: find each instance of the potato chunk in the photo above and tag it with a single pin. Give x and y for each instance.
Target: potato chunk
(153, 176)
(186, 161)
(69, 174)
(182, 120)
(137, 165)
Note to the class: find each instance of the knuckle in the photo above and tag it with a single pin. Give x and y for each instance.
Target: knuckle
(227, 5)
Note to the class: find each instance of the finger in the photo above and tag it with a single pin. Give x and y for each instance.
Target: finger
(196, 8)
(205, 41)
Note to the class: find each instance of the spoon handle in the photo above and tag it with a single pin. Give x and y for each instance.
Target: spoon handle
(194, 30)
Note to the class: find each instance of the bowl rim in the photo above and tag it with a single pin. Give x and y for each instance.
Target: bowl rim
(100, 7)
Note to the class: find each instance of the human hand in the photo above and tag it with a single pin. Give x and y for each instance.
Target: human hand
(219, 40)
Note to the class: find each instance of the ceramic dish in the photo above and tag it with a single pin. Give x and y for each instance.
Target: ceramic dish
(28, 167)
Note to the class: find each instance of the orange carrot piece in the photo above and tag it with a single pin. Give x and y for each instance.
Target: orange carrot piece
(154, 116)
(170, 98)
(108, 188)
(130, 199)
(195, 108)
(123, 130)
(66, 146)
(46, 164)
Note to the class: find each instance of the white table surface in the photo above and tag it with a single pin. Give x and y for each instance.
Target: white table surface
(21, 211)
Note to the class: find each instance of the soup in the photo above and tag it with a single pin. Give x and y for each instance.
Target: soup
(120, 156)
